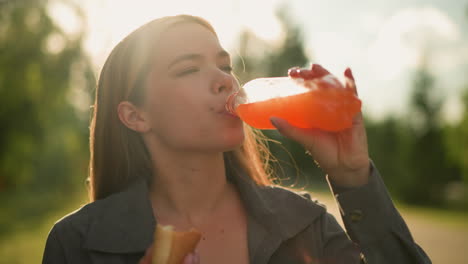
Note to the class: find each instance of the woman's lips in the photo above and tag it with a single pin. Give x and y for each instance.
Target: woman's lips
(227, 113)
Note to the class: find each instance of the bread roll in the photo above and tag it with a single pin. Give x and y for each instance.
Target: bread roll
(171, 247)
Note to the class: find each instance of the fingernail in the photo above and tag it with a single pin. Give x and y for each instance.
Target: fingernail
(348, 73)
(275, 122)
(319, 70)
(294, 72)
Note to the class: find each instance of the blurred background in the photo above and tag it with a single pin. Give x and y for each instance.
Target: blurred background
(410, 60)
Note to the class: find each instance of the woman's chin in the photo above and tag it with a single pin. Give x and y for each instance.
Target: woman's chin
(232, 141)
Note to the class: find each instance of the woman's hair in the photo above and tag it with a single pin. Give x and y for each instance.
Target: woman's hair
(118, 154)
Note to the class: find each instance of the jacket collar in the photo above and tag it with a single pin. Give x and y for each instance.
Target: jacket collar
(124, 222)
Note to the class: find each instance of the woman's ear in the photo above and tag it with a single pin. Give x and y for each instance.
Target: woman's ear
(132, 117)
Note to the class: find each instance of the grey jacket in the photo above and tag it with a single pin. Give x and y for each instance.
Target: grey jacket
(283, 227)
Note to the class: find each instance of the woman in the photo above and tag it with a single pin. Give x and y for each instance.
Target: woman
(164, 150)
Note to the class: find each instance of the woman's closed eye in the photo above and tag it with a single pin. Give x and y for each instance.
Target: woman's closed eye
(191, 70)
(187, 71)
(227, 69)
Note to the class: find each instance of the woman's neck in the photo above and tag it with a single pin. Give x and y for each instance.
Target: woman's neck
(188, 186)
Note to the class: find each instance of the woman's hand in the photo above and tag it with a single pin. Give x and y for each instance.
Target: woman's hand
(192, 258)
(342, 155)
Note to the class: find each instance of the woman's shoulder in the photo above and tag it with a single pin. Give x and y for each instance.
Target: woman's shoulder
(292, 196)
(73, 229)
(79, 219)
(106, 225)
(102, 213)
(83, 216)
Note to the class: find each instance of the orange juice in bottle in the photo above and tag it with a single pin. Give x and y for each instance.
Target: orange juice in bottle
(308, 98)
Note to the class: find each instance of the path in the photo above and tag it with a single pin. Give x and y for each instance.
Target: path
(443, 242)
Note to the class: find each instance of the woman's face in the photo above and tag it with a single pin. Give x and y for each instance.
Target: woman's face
(187, 90)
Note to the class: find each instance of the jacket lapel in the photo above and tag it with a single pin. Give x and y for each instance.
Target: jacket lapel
(276, 214)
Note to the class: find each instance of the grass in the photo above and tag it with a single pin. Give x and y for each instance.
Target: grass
(455, 219)
(26, 243)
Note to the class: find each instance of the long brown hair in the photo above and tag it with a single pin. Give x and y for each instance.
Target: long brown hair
(118, 154)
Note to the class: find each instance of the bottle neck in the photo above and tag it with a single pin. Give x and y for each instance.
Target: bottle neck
(232, 103)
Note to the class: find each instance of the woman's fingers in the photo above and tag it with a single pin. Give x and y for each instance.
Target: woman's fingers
(285, 128)
(189, 259)
(315, 71)
(318, 70)
(348, 73)
(351, 84)
(301, 135)
(147, 259)
(192, 258)
(349, 79)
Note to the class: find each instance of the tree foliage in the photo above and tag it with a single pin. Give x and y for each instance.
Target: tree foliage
(43, 137)
(259, 58)
(457, 140)
(430, 167)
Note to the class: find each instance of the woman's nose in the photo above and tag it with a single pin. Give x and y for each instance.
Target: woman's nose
(225, 83)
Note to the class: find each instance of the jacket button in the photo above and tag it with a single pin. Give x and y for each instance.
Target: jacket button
(356, 215)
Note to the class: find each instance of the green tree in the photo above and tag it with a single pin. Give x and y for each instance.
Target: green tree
(429, 167)
(258, 58)
(457, 140)
(388, 141)
(43, 136)
(291, 53)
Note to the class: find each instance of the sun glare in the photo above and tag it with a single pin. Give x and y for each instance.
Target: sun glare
(228, 17)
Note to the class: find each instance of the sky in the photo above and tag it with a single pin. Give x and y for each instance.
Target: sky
(382, 41)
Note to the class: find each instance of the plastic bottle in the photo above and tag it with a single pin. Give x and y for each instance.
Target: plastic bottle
(308, 98)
